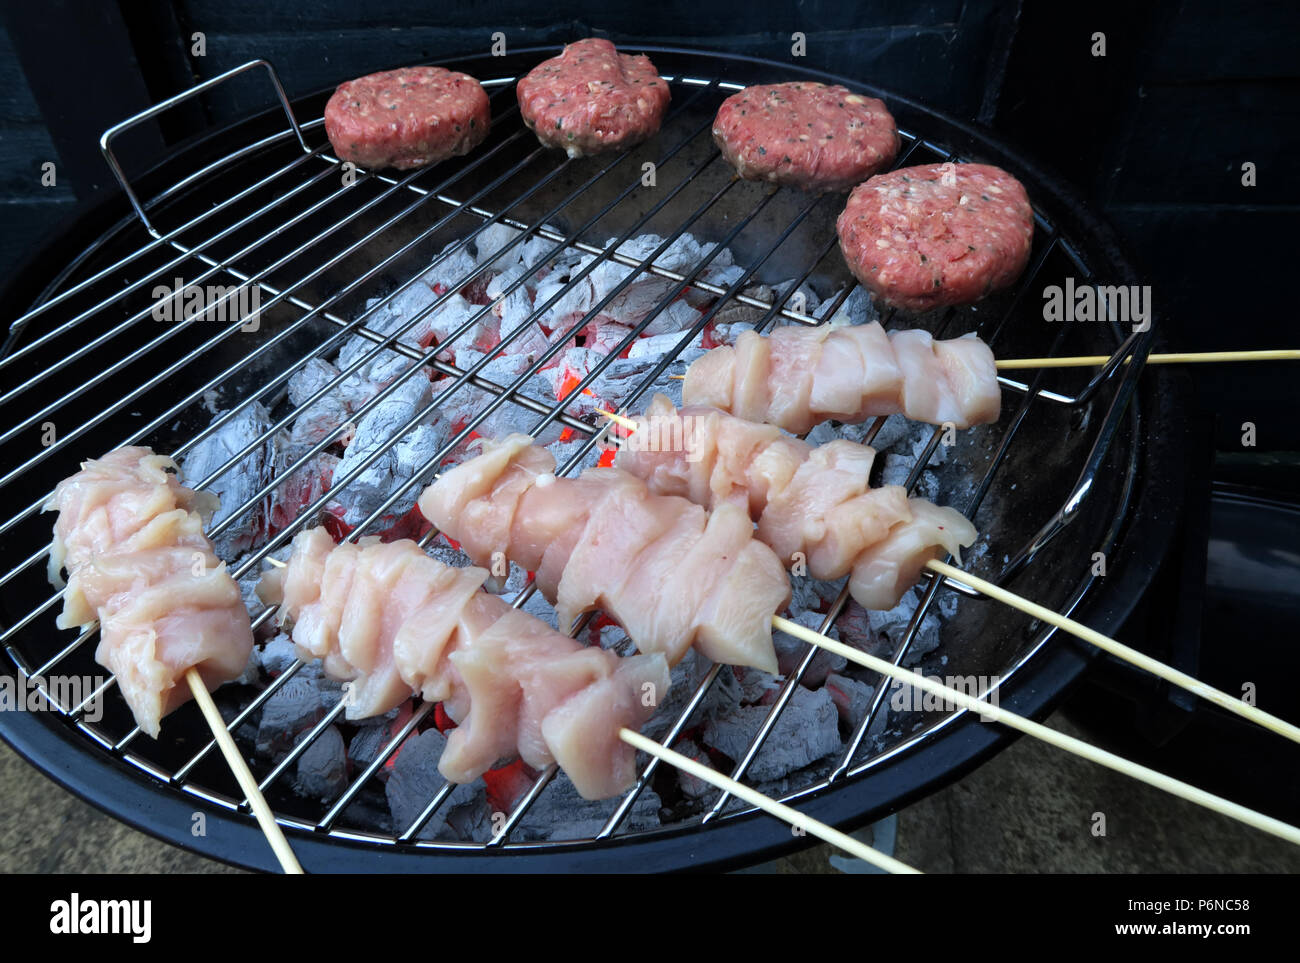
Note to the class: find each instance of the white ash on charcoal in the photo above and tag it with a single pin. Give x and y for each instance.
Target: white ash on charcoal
(295, 490)
(503, 369)
(603, 335)
(852, 698)
(722, 697)
(891, 433)
(515, 312)
(452, 315)
(530, 263)
(721, 272)
(388, 315)
(468, 401)
(858, 308)
(677, 316)
(635, 301)
(316, 422)
(564, 377)
(440, 550)
(790, 651)
(491, 240)
(756, 686)
(526, 263)
(813, 595)
(613, 637)
(656, 346)
(617, 382)
(360, 496)
(823, 433)
(693, 786)
(323, 766)
(372, 735)
(294, 708)
(888, 629)
(560, 813)
(276, 655)
(535, 605)
(451, 269)
(783, 786)
(241, 481)
(413, 782)
(806, 730)
(516, 581)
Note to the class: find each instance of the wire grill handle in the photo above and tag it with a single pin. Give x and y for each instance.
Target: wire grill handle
(106, 138)
(1137, 346)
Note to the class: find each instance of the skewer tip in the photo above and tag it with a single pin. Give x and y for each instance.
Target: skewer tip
(618, 419)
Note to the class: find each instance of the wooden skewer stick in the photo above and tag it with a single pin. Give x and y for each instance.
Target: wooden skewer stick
(1096, 360)
(274, 835)
(1189, 357)
(1121, 651)
(621, 420)
(781, 811)
(1103, 642)
(1087, 751)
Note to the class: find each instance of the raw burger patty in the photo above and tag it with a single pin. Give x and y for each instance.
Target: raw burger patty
(922, 237)
(407, 118)
(806, 135)
(591, 98)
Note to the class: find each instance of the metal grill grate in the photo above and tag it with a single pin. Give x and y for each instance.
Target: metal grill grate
(260, 247)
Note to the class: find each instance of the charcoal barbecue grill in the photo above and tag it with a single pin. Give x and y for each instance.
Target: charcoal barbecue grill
(1079, 463)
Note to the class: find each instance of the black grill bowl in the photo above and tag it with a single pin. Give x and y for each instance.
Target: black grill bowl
(1131, 514)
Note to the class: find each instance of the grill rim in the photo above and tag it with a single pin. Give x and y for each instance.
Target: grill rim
(1036, 687)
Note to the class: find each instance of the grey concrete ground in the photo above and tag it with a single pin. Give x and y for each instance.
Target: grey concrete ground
(1029, 810)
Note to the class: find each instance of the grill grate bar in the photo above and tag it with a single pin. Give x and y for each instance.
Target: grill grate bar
(186, 402)
(156, 242)
(390, 747)
(549, 414)
(162, 271)
(389, 341)
(533, 318)
(521, 809)
(308, 512)
(227, 332)
(340, 483)
(536, 314)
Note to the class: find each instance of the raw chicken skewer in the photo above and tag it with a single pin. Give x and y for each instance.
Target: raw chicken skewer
(130, 536)
(813, 505)
(778, 477)
(394, 622)
(491, 495)
(672, 574)
(798, 376)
